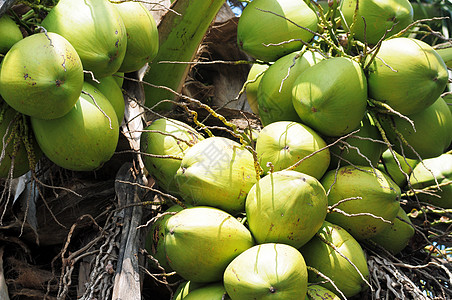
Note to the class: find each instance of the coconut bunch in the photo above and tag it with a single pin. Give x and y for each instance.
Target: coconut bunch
(237, 229)
(381, 113)
(340, 103)
(72, 118)
(370, 89)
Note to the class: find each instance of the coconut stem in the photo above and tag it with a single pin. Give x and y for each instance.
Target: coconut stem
(346, 258)
(393, 111)
(98, 107)
(349, 146)
(360, 215)
(329, 26)
(434, 188)
(26, 138)
(317, 272)
(249, 81)
(154, 219)
(171, 197)
(418, 22)
(7, 138)
(332, 207)
(295, 165)
(168, 134)
(324, 38)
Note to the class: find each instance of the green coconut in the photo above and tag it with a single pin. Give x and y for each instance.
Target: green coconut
(216, 172)
(286, 207)
(424, 175)
(379, 196)
(113, 92)
(374, 17)
(95, 29)
(10, 33)
(156, 237)
(252, 84)
(142, 35)
(83, 139)
(274, 94)
(318, 292)
(363, 148)
(185, 288)
(407, 74)
(331, 96)
(267, 271)
(213, 291)
(201, 241)
(397, 236)
(319, 254)
(390, 166)
(171, 138)
(41, 76)
(265, 22)
(284, 143)
(13, 127)
(431, 135)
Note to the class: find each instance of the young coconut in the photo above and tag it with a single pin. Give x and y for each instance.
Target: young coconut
(109, 87)
(216, 172)
(363, 148)
(267, 271)
(265, 22)
(274, 94)
(371, 193)
(83, 139)
(252, 84)
(324, 253)
(286, 207)
(431, 135)
(142, 35)
(424, 175)
(201, 241)
(318, 292)
(41, 76)
(284, 143)
(389, 166)
(10, 33)
(375, 17)
(95, 29)
(331, 96)
(407, 74)
(397, 236)
(166, 137)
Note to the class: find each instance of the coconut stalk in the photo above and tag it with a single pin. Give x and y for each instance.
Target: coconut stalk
(446, 55)
(180, 34)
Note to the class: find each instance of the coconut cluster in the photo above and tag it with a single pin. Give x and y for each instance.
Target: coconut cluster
(345, 123)
(74, 118)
